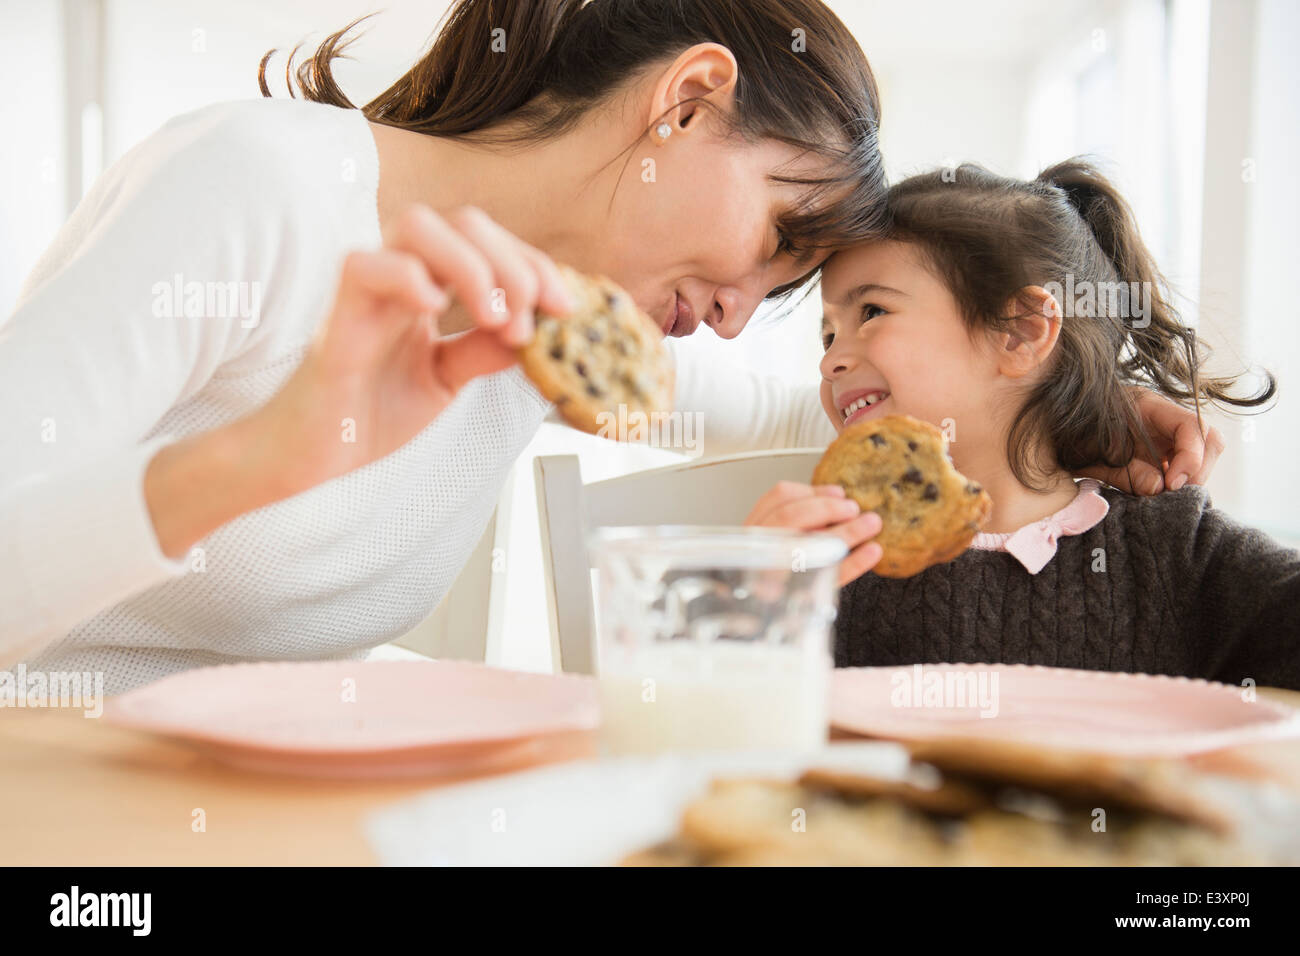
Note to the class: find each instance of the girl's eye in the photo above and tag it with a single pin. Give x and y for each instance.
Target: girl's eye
(869, 312)
(827, 339)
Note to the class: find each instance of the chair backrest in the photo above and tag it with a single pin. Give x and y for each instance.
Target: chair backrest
(709, 491)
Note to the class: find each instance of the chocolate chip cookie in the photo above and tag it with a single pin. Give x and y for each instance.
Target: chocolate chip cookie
(1010, 814)
(604, 355)
(898, 467)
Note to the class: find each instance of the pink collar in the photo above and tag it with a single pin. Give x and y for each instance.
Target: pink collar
(1035, 544)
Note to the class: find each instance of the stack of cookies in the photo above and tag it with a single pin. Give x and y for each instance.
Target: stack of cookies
(968, 803)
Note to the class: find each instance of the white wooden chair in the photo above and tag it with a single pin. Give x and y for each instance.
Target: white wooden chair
(709, 491)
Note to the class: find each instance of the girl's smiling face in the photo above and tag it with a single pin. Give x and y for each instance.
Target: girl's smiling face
(896, 343)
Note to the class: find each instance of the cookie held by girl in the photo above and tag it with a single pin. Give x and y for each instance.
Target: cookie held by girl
(898, 467)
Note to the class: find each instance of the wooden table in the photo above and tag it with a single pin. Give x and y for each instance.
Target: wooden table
(81, 792)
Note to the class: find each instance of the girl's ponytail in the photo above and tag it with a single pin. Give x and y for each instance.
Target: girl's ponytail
(1159, 348)
(1068, 231)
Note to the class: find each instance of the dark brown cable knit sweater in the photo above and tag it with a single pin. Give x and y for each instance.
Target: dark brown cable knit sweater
(1185, 591)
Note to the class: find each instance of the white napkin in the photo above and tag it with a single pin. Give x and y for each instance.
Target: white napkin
(589, 813)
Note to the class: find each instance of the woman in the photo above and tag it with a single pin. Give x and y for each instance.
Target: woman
(244, 335)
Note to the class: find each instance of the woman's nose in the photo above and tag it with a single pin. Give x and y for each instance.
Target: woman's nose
(731, 310)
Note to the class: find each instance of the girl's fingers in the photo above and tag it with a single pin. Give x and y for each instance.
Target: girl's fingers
(833, 491)
(812, 512)
(857, 530)
(784, 492)
(860, 560)
(779, 493)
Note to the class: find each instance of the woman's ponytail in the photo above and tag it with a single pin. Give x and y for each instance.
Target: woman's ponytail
(490, 59)
(510, 72)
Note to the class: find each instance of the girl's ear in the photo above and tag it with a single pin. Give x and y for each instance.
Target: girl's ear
(1032, 327)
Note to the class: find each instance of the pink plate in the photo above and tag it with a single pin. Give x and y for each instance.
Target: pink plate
(365, 718)
(1095, 711)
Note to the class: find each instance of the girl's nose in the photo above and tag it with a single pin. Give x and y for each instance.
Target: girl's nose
(835, 362)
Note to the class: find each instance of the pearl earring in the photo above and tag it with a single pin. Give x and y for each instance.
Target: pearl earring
(664, 131)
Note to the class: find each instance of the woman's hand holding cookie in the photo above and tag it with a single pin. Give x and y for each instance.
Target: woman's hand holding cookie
(822, 508)
(381, 366)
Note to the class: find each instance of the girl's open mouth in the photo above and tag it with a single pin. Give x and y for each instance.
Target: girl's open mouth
(860, 404)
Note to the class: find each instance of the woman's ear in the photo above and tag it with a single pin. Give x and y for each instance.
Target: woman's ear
(1032, 327)
(704, 71)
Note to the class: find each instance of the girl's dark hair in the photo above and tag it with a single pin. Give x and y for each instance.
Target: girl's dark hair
(803, 80)
(989, 238)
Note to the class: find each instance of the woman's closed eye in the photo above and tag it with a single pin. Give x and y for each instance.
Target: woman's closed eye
(785, 245)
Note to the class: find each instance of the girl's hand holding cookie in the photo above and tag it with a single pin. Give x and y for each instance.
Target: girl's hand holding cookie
(825, 508)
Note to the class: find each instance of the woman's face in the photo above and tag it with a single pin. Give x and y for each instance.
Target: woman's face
(695, 237)
(896, 343)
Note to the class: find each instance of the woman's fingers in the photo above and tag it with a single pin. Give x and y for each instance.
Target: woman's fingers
(498, 279)
(1194, 455)
(1138, 477)
(1188, 453)
(391, 275)
(451, 260)
(1191, 446)
(516, 282)
(1188, 450)
(461, 358)
(1196, 449)
(553, 292)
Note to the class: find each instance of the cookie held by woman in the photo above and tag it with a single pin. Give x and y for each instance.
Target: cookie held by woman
(606, 353)
(898, 467)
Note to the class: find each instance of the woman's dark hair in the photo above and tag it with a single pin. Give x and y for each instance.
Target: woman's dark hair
(989, 238)
(516, 71)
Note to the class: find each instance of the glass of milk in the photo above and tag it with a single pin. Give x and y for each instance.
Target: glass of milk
(714, 638)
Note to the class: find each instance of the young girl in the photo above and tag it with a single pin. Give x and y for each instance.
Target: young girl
(1017, 316)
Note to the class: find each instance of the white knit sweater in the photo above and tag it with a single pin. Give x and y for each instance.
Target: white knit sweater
(98, 370)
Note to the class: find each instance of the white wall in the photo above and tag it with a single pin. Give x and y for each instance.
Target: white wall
(33, 156)
(1263, 451)
(170, 57)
